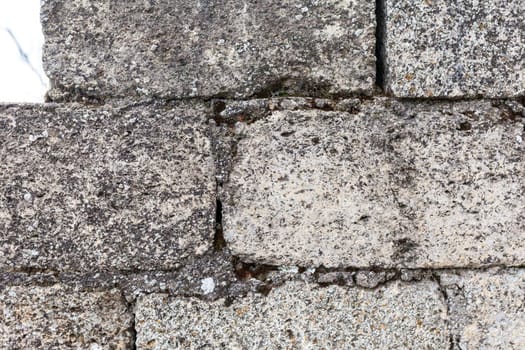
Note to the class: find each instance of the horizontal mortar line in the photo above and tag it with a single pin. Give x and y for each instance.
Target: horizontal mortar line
(42, 271)
(57, 273)
(152, 101)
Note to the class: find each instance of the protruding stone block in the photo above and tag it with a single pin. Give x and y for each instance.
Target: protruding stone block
(465, 48)
(299, 316)
(486, 308)
(84, 189)
(388, 184)
(59, 318)
(185, 48)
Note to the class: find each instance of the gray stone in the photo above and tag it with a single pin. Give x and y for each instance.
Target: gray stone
(299, 316)
(486, 308)
(85, 189)
(393, 185)
(56, 317)
(371, 279)
(101, 49)
(336, 277)
(465, 48)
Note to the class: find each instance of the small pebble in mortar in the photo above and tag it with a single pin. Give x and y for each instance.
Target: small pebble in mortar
(207, 285)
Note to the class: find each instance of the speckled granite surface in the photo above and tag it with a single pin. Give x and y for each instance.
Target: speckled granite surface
(389, 184)
(58, 317)
(183, 48)
(486, 308)
(464, 48)
(299, 316)
(243, 175)
(86, 189)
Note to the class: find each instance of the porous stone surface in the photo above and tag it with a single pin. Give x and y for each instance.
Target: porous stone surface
(299, 316)
(486, 308)
(56, 317)
(387, 184)
(228, 48)
(186, 280)
(84, 189)
(465, 48)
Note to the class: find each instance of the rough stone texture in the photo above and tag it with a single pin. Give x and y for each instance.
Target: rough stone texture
(187, 280)
(299, 316)
(388, 184)
(185, 48)
(59, 318)
(465, 48)
(487, 309)
(88, 189)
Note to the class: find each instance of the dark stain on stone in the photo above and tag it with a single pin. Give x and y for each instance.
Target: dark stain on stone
(403, 249)
(464, 126)
(287, 133)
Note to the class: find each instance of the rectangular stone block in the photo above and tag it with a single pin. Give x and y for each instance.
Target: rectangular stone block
(103, 49)
(85, 189)
(388, 184)
(486, 308)
(58, 318)
(299, 316)
(465, 48)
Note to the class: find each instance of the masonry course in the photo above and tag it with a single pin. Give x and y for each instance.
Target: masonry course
(299, 316)
(174, 49)
(87, 189)
(388, 184)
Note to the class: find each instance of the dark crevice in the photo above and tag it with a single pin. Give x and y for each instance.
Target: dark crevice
(132, 328)
(245, 271)
(218, 240)
(444, 294)
(380, 50)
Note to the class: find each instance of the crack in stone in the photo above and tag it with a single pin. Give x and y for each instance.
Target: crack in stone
(380, 50)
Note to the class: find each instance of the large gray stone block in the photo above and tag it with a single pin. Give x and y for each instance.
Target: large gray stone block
(465, 48)
(299, 316)
(57, 317)
(486, 309)
(388, 185)
(187, 48)
(84, 189)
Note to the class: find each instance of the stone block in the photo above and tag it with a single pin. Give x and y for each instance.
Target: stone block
(486, 308)
(388, 184)
(85, 189)
(56, 317)
(465, 48)
(170, 49)
(299, 316)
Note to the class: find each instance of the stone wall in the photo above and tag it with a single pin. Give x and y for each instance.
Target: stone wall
(302, 174)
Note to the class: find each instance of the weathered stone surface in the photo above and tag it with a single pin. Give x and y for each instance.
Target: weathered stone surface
(184, 48)
(465, 48)
(391, 185)
(186, 280)
(486, 308)
(299, 316)
(58, 318)
(86, 189)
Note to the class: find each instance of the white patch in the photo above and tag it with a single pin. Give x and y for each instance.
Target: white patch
(289, 269)
(207, 285)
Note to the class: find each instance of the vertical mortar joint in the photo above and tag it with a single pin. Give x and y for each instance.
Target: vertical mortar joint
(380, 50)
